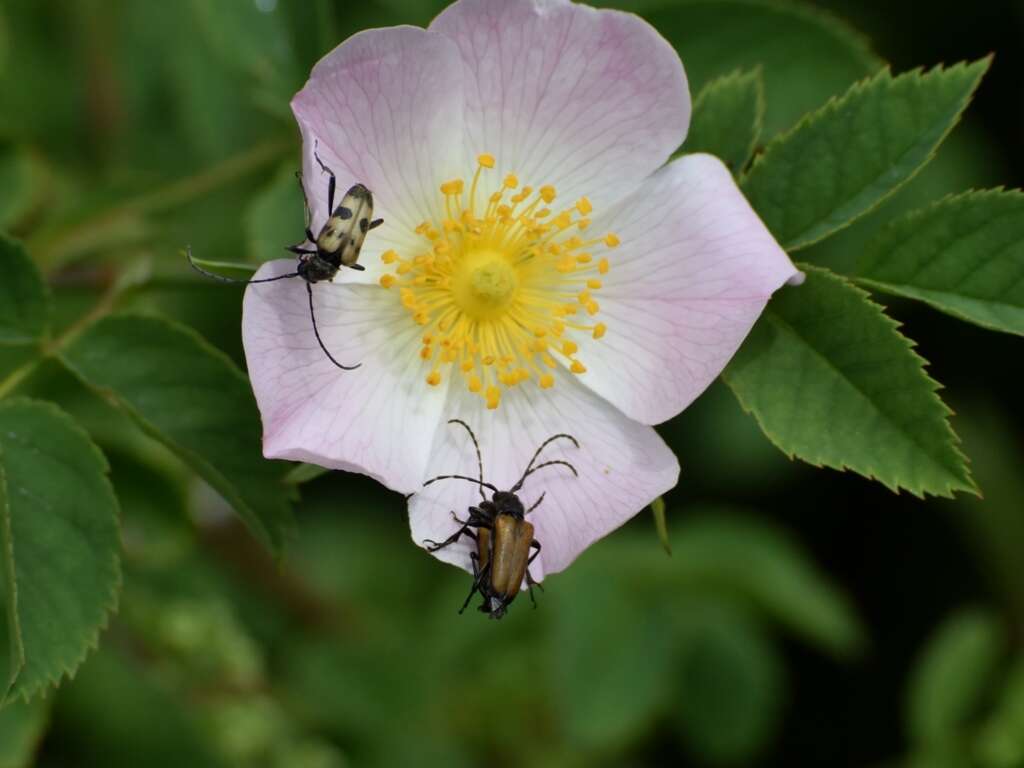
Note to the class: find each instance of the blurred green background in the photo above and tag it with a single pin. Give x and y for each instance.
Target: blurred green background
(804, 617)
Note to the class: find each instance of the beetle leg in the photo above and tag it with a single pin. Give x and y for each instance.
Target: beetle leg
(330, 184)
(478, 577)
(533, 545)
(374, 224)
(433, 546)
(357, 267)
(530, 584)
(299, 250)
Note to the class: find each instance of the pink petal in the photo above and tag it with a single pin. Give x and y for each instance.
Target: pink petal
(379, 419)
(386, 108)
(694, 271)
(590, 101)
(622, 467)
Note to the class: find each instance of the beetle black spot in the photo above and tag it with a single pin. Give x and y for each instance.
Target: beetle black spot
(364, 224)
(344, 213)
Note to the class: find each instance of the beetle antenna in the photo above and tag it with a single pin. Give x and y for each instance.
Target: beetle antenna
(460, 477)
(316, 332)
(536, 503)
(541, 466)
(530, 469)
(223, 279)
(479, 458)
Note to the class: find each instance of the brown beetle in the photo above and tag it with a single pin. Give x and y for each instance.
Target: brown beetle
(338, 244)
(504, 538)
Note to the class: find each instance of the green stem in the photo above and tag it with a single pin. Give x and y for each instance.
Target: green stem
(52, 250)
(102, 307)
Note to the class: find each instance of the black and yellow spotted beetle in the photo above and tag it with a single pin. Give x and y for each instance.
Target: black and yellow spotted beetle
(338, 244)
(504, 538)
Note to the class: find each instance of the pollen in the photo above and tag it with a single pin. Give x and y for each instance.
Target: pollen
(503, 283)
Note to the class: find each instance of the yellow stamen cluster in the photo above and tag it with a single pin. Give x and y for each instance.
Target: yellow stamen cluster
(503, 284)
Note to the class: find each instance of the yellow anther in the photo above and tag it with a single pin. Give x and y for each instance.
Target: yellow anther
(493, 395)
(489, 289)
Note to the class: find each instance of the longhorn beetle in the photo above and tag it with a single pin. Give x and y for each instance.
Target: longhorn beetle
(337, 245)
(504, 538)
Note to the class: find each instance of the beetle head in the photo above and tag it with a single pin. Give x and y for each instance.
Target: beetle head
(507, 503)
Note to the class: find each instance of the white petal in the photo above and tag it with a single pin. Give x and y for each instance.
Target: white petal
(693, 273)
(385, 109)
(589, 100)
(379, 419)
(622, 467)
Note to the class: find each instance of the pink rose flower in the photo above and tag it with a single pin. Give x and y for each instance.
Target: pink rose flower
(540, 268)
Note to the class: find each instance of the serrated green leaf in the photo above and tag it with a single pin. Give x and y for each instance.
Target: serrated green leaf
(831, 380)
(731, 683)
(727, 118)
(275, 217)
(964, 255)
(61, 543)
(807, 55)
(192, 398)
(844, 159)
(743, 556)
(21, 728)
(24, 299)
(661, 524)
(952, 675)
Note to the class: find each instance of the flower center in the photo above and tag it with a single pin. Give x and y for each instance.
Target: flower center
(503, 286)
(485, 285)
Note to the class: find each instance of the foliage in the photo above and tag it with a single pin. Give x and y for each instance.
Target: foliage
(238, 625)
